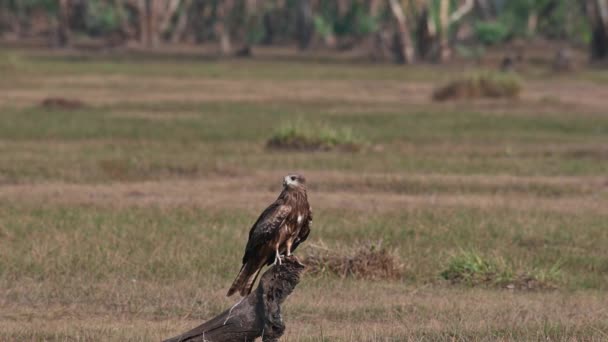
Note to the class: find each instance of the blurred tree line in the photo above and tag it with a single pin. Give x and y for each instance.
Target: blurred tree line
(402, 30)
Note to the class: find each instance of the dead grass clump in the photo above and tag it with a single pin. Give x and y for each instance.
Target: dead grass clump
(301, 136)
(115, 169)
(471, 269)
(61, 103)
(530, 282)
(366, 262)
(480, 85)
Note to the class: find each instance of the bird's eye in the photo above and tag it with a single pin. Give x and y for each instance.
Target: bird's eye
(293, 178)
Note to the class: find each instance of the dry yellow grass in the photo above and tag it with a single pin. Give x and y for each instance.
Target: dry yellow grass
(342, 311)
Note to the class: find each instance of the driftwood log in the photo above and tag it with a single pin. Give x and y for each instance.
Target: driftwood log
(258, 314)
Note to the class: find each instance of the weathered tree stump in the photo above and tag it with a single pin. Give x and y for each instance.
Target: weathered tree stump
(258, 314)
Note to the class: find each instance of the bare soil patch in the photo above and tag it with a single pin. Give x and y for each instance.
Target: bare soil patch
(61, 103)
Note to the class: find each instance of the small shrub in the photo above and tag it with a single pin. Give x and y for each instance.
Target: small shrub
(366, 262)
(471, 269)
(298, 135)
(478, 85)
(491, 33)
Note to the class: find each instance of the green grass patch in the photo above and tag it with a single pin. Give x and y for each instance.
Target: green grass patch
(470, 268)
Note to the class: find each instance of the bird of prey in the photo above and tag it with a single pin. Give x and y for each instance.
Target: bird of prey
(278, 231)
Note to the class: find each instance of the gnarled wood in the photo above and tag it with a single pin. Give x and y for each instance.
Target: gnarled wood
(258, 314)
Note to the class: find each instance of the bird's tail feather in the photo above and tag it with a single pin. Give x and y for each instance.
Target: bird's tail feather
(245, 279)
(245, 290)
(239, 280)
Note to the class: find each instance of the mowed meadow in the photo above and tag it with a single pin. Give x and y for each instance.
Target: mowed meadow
(125, 218)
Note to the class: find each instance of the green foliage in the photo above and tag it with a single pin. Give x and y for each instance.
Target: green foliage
(322, 26)
(28, 5)
(355, 22)
(470, 268)
(101, 18)
(491, 33)
(556, 19)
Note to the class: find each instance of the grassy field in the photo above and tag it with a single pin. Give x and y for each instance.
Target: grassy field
(126, 219)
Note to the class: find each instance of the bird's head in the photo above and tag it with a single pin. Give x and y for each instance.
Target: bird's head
(294, 181)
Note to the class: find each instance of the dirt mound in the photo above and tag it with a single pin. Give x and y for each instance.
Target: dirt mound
(61, 103)
(366, 262)
(486, 85)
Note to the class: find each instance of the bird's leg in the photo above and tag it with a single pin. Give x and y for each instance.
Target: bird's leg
(277, 257)
(289, 242)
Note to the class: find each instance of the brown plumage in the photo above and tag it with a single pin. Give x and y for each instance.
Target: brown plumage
(283, 226)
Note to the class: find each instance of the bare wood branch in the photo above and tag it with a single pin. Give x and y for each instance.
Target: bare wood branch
(222, 28)
(182, 23)
(258, 314)
(404, 47)
(169, 11)
(462, 11)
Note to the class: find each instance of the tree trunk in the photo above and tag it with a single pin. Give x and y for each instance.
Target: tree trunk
(444, 40)
(532, 23)
(148, 12)
(63, 24)
(258, 314)
(403, 48)
(597, 10)
(374, 8)
(222, 27)
(167, 13)
(304, 23)
(247, 24)
(425, 33)
(484, 9)
(125, 26)
(154, 13)
(142, 18)
(182, 23)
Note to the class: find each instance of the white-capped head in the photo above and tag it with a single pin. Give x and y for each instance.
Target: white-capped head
(294, 180)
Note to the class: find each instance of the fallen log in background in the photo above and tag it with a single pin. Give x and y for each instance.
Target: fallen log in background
(258, 314)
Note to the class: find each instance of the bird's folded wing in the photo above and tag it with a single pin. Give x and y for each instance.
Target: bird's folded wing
(267, 225)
